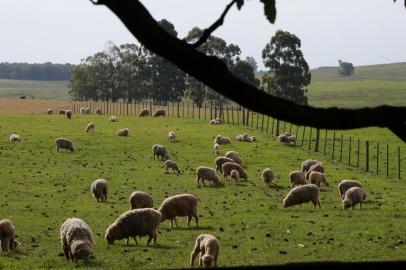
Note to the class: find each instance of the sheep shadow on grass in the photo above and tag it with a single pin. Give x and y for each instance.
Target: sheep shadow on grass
(193, 228)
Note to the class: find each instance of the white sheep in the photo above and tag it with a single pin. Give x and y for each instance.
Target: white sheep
(7, 236)
(229, 166)
(234, 156)
(89, 127)
(219, 161)
(99, 190)
(15, 138)
(76, 239)
(180, 205)
(267, 176)
(345, 185)
(139, 199)
(303, 194)
(171, 136)
(221, 140)
(234, 177)
(207, 246)
(206, 173)
(123, 132)
(113, 118)
(297, 178)
(354, 196)
(216, 148)
(316, 178)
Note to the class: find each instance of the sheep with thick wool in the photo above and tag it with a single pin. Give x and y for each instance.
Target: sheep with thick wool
(123, 132)
(159, 112)
(7, 236)
(216, 148)
(15, 138)
(90, 127)
(113, 118)
(234, 177)
(180, 205)
(297, 178)
(171, 136)
(63, 143)
(302, 194)
(140, 199)
(219, 161)
(99, 189)
(234, 156)
(221, 140)
(354, 196)
(307, 164)
(68, 114)
(318, 167)
(267, 176)
(229, 166)
(172, 165)
(206, 173)
(346, 184)
(207, 246)
(76, 239)
(144, 112)
(316, 178)
(160, 152)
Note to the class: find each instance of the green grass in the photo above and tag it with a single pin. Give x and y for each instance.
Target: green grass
(36, 89)
(40, 188)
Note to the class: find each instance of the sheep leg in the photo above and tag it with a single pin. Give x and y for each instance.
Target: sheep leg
(318, 202)
(203, 182)
(189, 218)
(194, 253)
(360, 205)
(200, 259)
(11, 244)
(150, 237)
(215, 259)
(171, 224)
(126, 241)
(197, 180)
(155, 237)
(4, 245)
(196, 219)
(176, 222)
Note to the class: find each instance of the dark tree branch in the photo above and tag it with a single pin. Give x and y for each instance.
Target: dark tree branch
(214, 73)
(208, 31)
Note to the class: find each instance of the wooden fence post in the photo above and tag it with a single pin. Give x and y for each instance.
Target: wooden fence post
(399, 162)
(262, 123)
(193, 110)
(367, 156)
(387, 159)
(310, 137)
(358, 152)
(284, 126)
(252, 119)
(316, 147)
(178, 109)
(232, 114)
(228, 121)
(183, 109)
(334, 144)
(341, 148)
(303, 134)
(256, 127)
(273, 123)
(290, 128)
(377, 157)
(267, 124)
(325, 143)
(349, 152)
(277, 128)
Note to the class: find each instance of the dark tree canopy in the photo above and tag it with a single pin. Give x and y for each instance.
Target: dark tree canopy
(42, 72)
(345, 68)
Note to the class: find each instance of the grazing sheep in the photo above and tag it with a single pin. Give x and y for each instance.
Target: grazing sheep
(345, 185)
(99, 190)
(170, 164)
(307, 164)
(229, 166)
(113, 118)
(221, 140)
(144, 112)
(49, 111)
(63, 143)
(82, 110)
(171, 136)
(68, 114)
(87, 111)
(216, 148)
(220, 161)
(297, 178)
(318, 167)
(159, 112)
(139, 199)
(354, 196)
(208, 246)
(234, 156)
(316, 178)
(7, 236)
(133, 223)
(61, 111)
(244, 138)
(15, 138)
(123, 132)
(267, 176)
(206, 173)
(76, 239)
(215, 122)
(90, 127)
(160, 152)
(252, 138)
(285, 138)
(303, 194)
(179, 206)
(234, 177)
(99, 111)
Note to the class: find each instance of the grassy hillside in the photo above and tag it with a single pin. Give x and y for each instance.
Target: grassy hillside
(36, 89)
(41, 188)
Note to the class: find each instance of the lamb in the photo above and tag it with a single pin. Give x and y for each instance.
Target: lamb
(123, 132)
(68, 114)
(206, 173)
(221, 140)
(99, 190)
(133, 223)
(7, 236)
(160, 112)
(61, 111)
(160, 152)
(144, 112)
(216, 148)
(170, 164)
(90, 127)
(267, 176)
(82, 110)
(234, 156)
(354, 196)
(63, 143)
(76, 239)
(208, 246)
(49, 111)
(179, 206)
(220, 161)
(139, 199)
(234, 176)
(303, 194)
(15, 138)
(229, 166)
(113, 118)
(171, 136)
(318, 167)
(307, 164)
(345, 185)
(316, 178)
(99, 111)
(297, 178)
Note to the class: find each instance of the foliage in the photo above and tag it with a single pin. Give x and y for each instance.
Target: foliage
(43, 72)
(252, 62)
(288, 70)
(346, 68)
(243, 70)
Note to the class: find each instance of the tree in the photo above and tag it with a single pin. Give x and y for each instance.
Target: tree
(244, 70)
(288, 70)
(346, 68)
(252, 62)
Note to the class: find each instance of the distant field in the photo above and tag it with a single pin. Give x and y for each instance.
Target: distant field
(36, 89)
(13, 106)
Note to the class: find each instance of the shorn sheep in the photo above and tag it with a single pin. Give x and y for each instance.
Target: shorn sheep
(99, 190)
(229, 166)
(68, 114)
(76, 240)
(15, 138)
(63, 143)
(160, 112)
(133, 223)
(354, 196)
(234, 156)
(144, 112)
(113, 118)
(7, 236)
(303, 194)
(220, 161)
(90, 127)
(160, 152)
(307, 164)
(316, 178)
(221, 140)
(216, 148)
(234, 177)
(345, 185)
(99, 111)
(171, 136)
(297, 178)
(206, 173)
(267, 176)
(208, 247)
(170, 164)
(123, 132)
(180, 205)
(139, 199)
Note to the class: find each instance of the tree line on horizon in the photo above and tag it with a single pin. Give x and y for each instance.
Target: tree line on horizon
(45, 71)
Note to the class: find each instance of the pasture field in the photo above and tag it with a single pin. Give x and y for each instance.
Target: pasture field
(36, 89)
(40, 188)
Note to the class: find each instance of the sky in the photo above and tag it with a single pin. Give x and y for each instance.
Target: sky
(363, 32)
